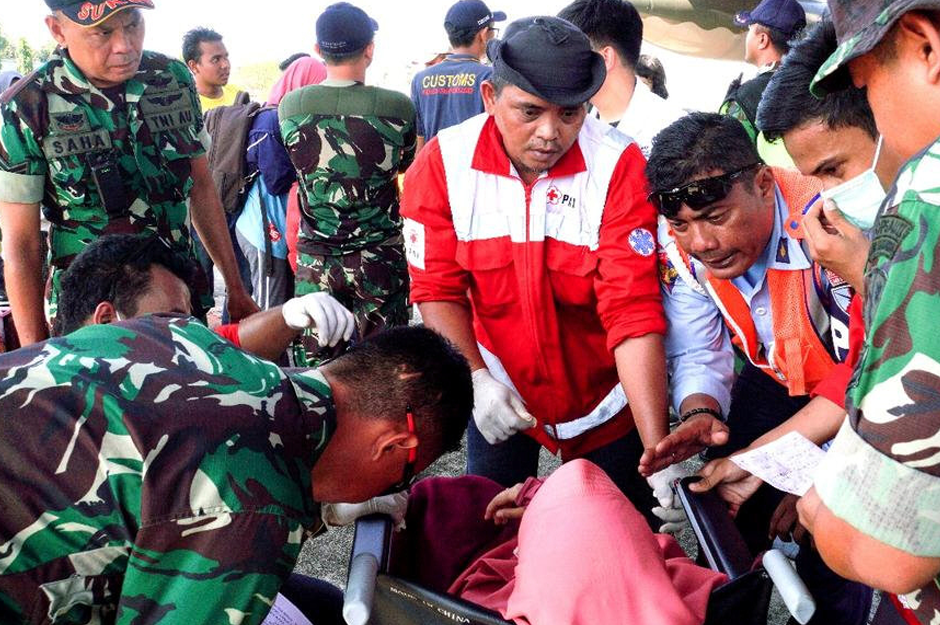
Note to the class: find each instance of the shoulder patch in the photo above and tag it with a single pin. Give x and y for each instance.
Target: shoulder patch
(889, 232)
(667, 272)
(642, 242)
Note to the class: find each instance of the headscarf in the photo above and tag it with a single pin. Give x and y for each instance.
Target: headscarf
(302, 72)
(7, 79)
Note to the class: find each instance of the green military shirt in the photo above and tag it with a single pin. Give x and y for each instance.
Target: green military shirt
(882, 474)
(57, 127)
(153, 472)
(348, 143)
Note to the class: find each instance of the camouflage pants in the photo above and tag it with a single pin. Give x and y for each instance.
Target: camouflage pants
(372, 283)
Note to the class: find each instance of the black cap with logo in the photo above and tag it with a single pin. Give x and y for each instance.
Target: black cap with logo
(87, 13)
(344, 29)
(469, 16)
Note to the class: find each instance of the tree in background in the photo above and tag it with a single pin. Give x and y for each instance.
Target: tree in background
(6, 51)
(24, 56)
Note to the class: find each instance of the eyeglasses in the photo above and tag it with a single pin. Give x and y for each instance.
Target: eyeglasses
(697, 194)
(495, 32)
(408, 476)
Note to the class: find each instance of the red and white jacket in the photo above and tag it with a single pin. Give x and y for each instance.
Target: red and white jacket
(558, 273)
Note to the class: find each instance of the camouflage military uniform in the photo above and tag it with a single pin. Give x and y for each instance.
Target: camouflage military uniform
(883, 472)
(58, 128)
(348, 144)
(152, 472)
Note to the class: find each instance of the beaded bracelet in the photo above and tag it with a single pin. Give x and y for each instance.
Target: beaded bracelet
(685, 416)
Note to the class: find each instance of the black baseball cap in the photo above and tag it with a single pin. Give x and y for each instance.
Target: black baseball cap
(469, 16)
(344, 29)
(787, 16)
(550, 58)
(87, 13)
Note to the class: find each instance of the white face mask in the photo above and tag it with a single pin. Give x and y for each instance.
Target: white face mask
(860, 198)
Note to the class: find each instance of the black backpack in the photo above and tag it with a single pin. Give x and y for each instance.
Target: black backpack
(228, 127)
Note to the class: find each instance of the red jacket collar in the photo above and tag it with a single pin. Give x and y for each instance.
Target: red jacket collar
(490, 155)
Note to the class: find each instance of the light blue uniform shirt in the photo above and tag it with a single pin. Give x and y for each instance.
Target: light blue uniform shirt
(699, 353)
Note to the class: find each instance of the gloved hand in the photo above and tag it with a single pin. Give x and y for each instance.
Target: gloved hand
(322, 312)
(498, 411)
(395, 505)
(670, 509)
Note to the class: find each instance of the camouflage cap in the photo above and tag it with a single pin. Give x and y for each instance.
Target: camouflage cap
(860, 25)
(86, 13)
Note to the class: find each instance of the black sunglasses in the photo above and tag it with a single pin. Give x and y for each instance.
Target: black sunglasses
(697, 194)
(408, 477)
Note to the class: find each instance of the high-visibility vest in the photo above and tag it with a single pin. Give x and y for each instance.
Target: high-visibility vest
(798, 358)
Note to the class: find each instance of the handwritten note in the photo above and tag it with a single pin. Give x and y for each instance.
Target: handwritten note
(787, 464)
(283, 612)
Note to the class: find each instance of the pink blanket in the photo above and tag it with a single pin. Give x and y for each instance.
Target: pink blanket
(585, 555)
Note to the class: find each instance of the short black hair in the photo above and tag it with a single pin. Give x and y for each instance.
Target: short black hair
(114, 268)
(192, 39)
(343, 59)
(410, 367)
(614, 23)
(283, 65)
(652, 68)
(788, 104)
(781, 41)
(463, 38)
(695, 144)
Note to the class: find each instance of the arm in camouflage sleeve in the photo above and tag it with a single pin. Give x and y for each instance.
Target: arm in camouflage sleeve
(23, 170)
(22, 254)
(222, 569)
(857, 556)
(410, 148)
(208, 218)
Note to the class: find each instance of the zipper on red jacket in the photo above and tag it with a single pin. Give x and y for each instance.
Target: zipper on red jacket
(543, 368)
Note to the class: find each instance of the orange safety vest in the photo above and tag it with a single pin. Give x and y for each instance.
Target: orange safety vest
(798, 358)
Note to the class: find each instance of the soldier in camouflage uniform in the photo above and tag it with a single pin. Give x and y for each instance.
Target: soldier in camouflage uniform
(153, 472)
(873, 509)
(348, 143)
(109, 138)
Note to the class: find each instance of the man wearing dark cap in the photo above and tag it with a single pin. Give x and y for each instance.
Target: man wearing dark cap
(448, 93)
(109, 139)
(530, 245)
(348, 143)
(771, 25)
(873, 508)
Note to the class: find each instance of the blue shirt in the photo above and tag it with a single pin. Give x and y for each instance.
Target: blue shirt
(251, 225)
(699, 352)
(266, 153)
(448, 93)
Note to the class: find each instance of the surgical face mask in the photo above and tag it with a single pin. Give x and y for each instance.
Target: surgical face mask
(860, 198)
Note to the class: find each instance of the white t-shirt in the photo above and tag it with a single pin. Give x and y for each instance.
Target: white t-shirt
(646, 116)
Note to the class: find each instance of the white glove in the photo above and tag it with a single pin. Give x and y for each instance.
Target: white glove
(670, 509)
(498, 410)
(321, 311)
(395, 505)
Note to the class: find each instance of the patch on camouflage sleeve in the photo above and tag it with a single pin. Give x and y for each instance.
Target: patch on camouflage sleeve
(413, 233)
(890, 231)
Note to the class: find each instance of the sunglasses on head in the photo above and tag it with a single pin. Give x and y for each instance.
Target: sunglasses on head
(697, 194)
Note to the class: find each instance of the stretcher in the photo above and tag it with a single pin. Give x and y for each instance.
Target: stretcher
(376, 596)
